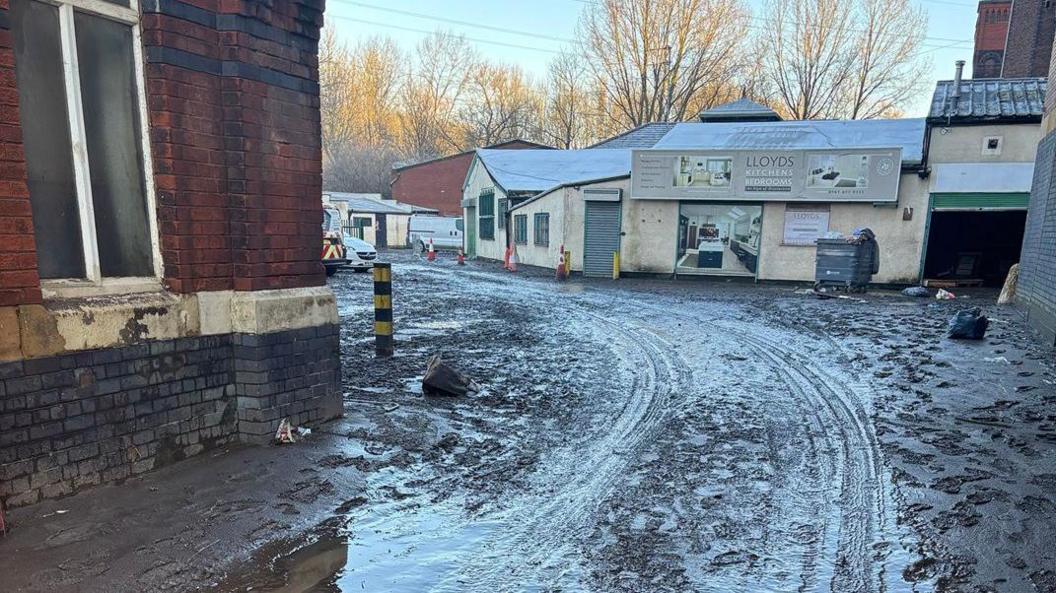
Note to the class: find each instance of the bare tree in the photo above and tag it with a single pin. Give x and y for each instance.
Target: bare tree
(569, 117)
(841, 58)
(335, 93)
(431, 93)
(359, 123)
(889, 70)
(658, 59)
(500, 104)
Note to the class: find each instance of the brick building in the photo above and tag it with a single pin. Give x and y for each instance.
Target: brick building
(160, 284)
(991, 29)
(1030, 33)
(1036, 292)
(437, 183)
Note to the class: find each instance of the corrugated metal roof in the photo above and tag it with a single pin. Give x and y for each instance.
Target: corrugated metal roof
(539, 170)
(797, 135)
(743, 108)
(644, 136)
(373, 203)
(990, 99)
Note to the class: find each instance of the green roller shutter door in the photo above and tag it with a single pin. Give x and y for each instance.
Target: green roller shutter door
(980, 201)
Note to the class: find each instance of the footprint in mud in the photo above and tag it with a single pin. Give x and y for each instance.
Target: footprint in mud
(308, 491)
(981, 496)
(924, 569)
(735, 557)
(1044, 581)
(287, 509)
(953, 484)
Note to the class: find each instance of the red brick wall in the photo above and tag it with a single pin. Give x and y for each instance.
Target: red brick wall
(237, 150)
(438, 184)
(1031, 30)
(991, 28)
(19, 283)
(232, 97)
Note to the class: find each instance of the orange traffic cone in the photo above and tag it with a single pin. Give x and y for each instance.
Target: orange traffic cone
(432, 252)
(513, 260)
(506, 259)
(461, 257)
(560, 275)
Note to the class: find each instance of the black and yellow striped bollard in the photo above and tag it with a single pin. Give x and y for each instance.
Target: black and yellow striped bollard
(383, 310)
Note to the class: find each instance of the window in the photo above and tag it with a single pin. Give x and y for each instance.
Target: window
(520, 229)
(80, 84)
(504, 208)
(362, 222)
(461, 226)
(542, 229)
(487, 214)
(992, 146)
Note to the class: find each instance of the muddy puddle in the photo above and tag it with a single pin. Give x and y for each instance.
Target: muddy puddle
(402, 549)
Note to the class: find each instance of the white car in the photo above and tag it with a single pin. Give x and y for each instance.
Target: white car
(361, 255)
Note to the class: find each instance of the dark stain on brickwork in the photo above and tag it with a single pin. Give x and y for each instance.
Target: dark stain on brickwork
(135, 331)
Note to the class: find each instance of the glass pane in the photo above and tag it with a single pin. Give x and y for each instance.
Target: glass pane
(719, 239)
(46, 138)
(112, 130)
(117, 2)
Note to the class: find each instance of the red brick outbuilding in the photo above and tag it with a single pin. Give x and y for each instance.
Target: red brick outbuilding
(437, 183)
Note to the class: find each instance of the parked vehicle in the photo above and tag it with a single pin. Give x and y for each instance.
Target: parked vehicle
(445, 232)
(333, 247)
(361, 255)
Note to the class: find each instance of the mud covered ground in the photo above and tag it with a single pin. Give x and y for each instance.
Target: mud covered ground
(649, 435)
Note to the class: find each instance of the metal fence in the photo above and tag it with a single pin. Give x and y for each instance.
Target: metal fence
(353, 231)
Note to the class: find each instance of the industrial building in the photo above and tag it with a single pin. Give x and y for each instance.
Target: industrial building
(437, 183)
(982, 136)
(161, 293)
(380, 222)
(741, 193)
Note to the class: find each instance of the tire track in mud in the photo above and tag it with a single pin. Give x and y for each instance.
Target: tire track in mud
(549, 531)
(540, 543)
(543, 531)
(858, 471)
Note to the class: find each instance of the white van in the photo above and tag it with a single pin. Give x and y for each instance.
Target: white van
(445, 232)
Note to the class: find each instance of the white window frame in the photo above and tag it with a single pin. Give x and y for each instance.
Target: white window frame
(94, 282)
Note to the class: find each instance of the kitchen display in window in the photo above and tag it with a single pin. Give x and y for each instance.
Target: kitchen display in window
(721, 239)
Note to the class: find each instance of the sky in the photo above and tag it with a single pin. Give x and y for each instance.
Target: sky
(530, 32)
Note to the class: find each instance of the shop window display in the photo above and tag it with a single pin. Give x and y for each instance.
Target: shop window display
(720, 239)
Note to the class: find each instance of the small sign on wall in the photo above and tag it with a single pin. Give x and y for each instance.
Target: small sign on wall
(805, 224)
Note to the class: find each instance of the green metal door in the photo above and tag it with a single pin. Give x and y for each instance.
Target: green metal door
(471, 232)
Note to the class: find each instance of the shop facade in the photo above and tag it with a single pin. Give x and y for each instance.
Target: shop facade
(733, 199)
(981, 147)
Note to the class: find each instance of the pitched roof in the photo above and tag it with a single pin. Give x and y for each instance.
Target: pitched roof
(743, 109)
(535, 145)
(990, 99)
(794, 135)
(540, 170)
(374, 204)
(644, 136)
